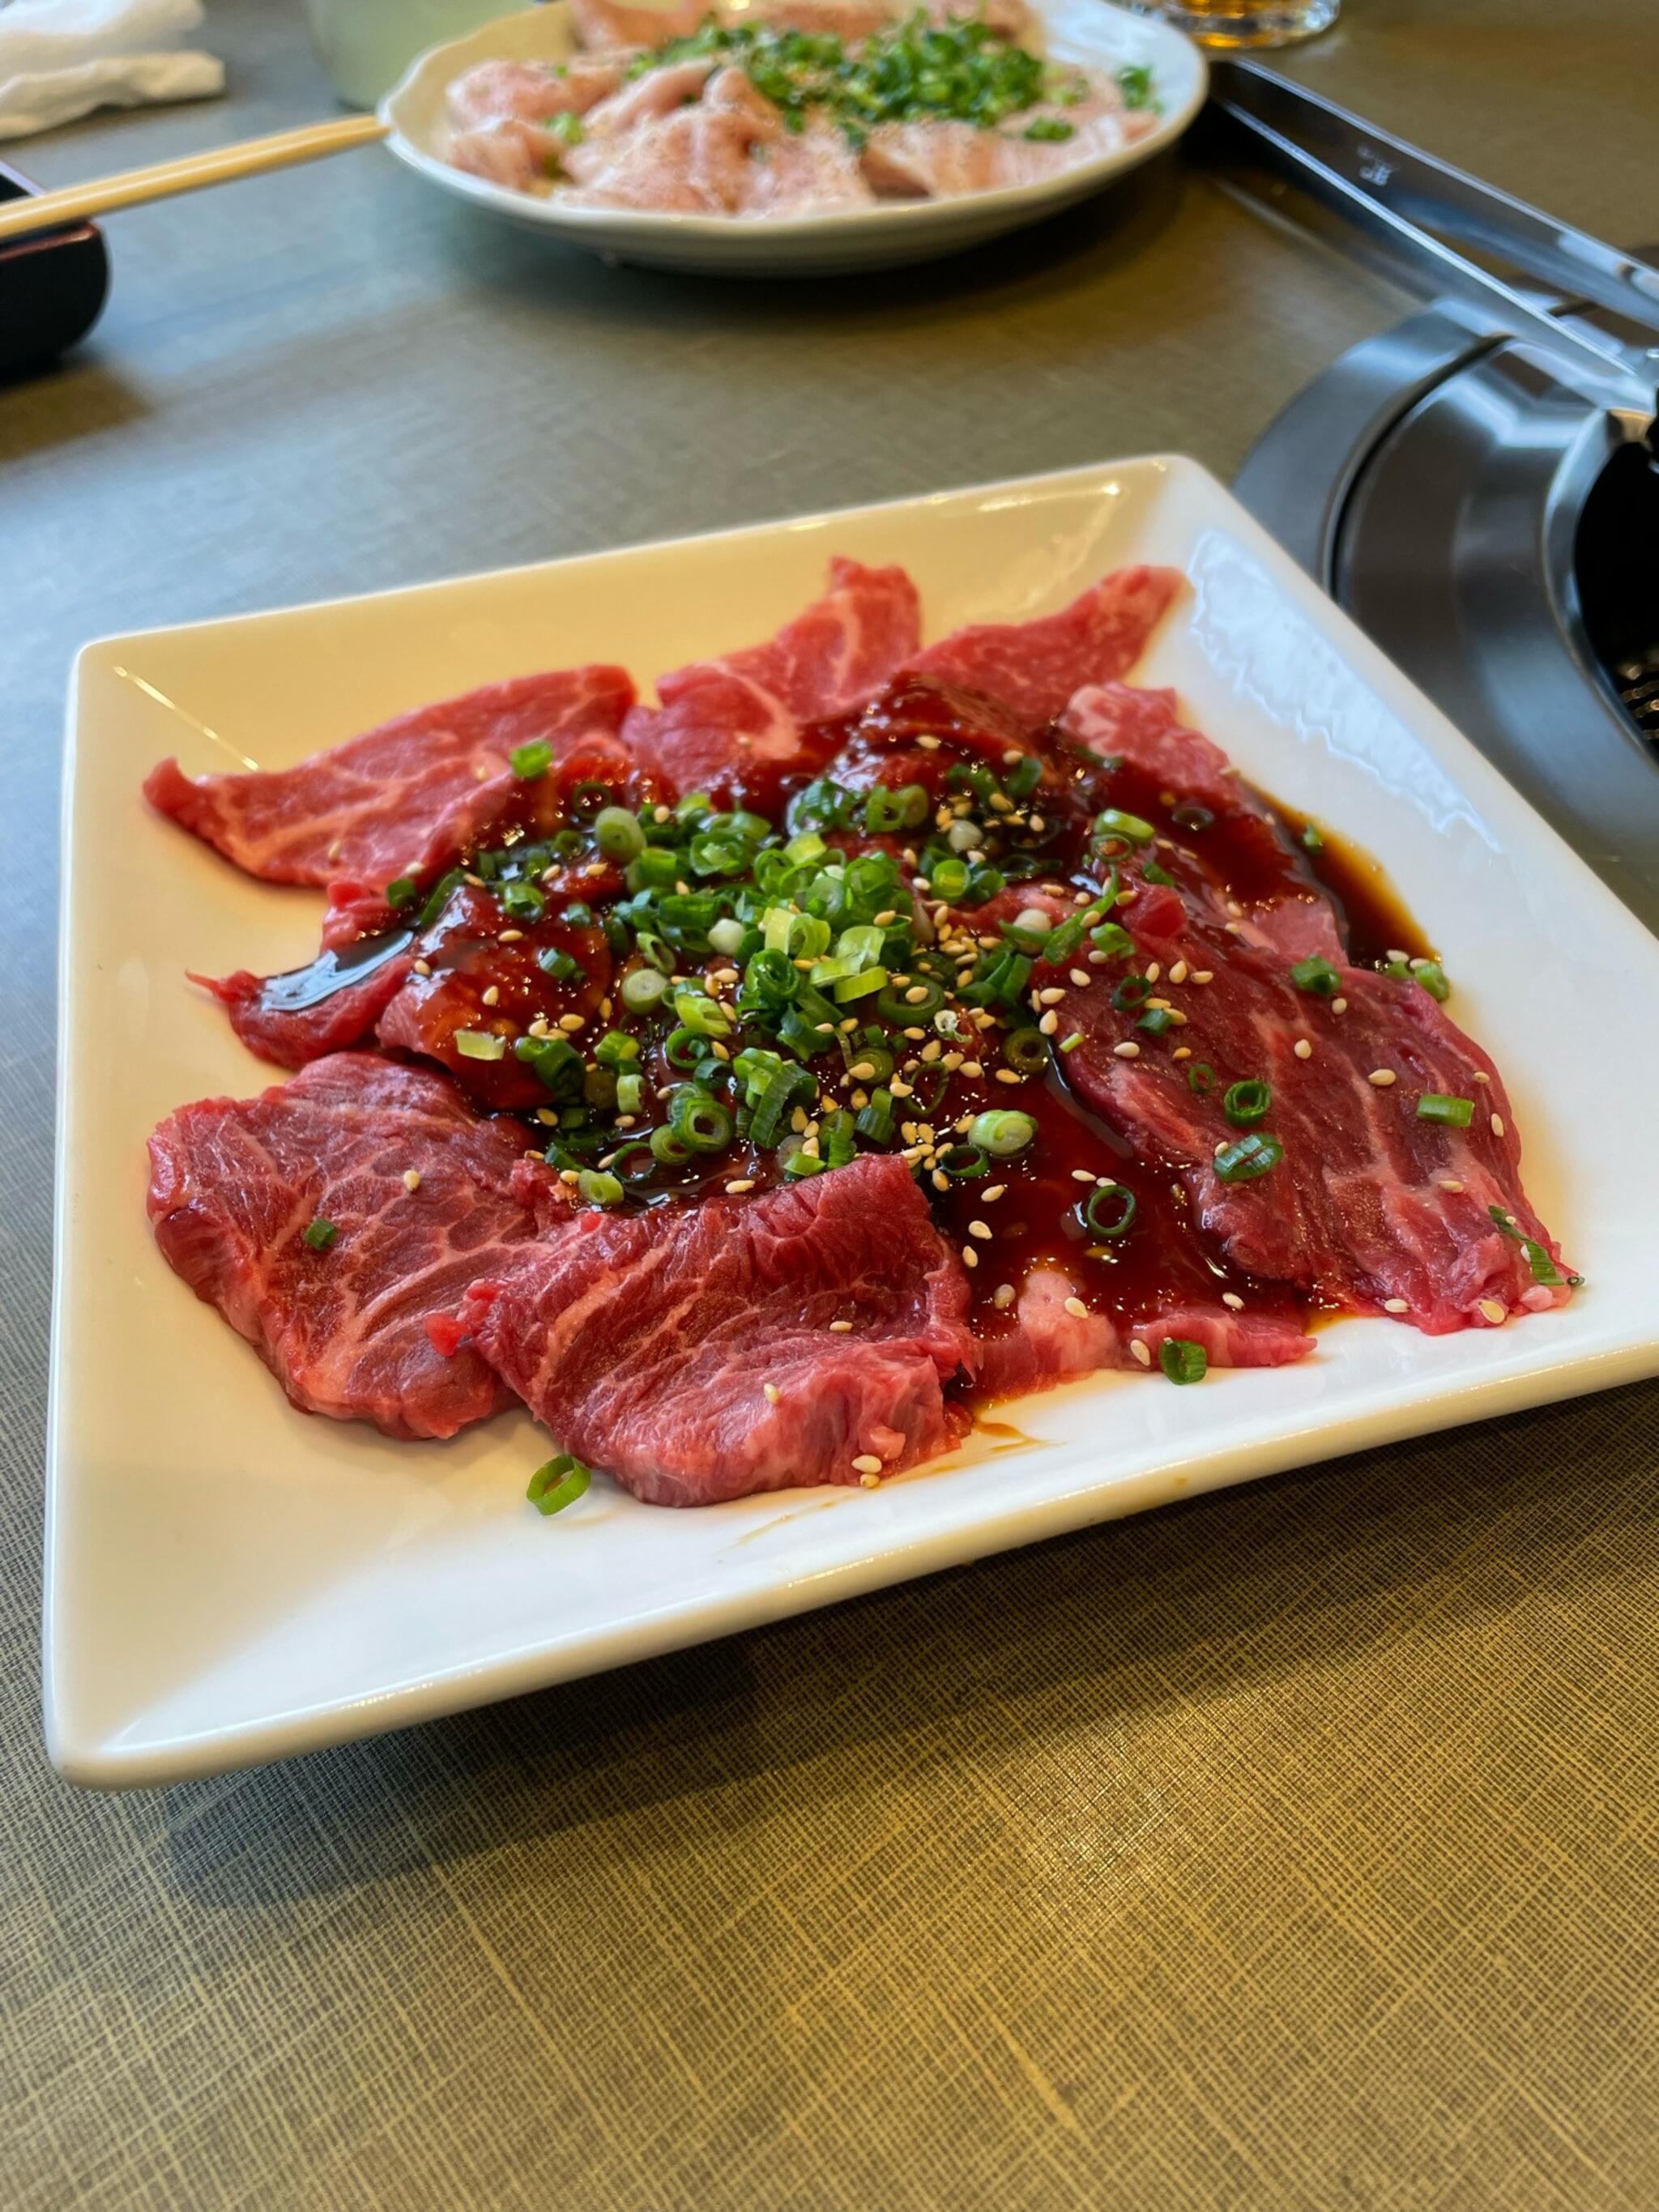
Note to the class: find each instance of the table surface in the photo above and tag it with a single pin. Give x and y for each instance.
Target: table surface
(1295, 1848)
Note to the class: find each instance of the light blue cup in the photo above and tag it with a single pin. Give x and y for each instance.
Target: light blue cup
(366, 44)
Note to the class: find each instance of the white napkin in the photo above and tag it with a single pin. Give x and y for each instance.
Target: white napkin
(61, 58)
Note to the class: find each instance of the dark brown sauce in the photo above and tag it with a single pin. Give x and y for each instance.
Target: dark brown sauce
(1027, 1211)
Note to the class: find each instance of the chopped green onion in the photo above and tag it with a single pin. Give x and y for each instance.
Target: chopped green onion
(634, 1162)
(1181, 1360)
(1544, 1269)
(554, 1058)
(1133, 991)
(669, 1147)
(1246, 1103)
(1024, 777)
(1201, 1078)
(522, 901)
(1189, 816)
(960, 1160)
(1113, 939)
(560, 966)
(617, 833)
(400, 891)
(1312, 841)
(949, 877)
(1156, 1020)
(727, 935)
(599, 1189)
(1437, 1106)
(479, 1044)
(615, 1049)
(1247, 1158)
(1432, 976)
(1113, 822)
(321, 1235)
(1155, 874)
(685, 1048)
(875, 1119)
(885, 810)
(699, 1121)
(702, 1014)
(1002, 1132)
(1122, 1207)
(630, 1093)
(559, 1484)
(1316, 974)
(644, 990)
(531, 761)
(1026, 1051)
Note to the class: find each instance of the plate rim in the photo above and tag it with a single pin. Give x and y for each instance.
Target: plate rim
(1626, 1348)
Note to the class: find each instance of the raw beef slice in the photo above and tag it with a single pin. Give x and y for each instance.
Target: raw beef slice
(692, 1354)
(235, 1183)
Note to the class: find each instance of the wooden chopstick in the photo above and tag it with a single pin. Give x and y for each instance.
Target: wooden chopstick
(219, 166)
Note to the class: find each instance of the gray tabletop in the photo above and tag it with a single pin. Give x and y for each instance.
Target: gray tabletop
(1295, 1848)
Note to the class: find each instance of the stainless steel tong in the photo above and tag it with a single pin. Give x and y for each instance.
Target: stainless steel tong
(1417, 212)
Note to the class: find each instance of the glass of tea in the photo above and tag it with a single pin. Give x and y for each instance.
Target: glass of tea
(1229, 24)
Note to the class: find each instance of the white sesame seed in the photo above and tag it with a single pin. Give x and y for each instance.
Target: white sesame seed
(1497, 1125)
(1450, 1182)
(573, 1021)
(1480, 1077)
(771, 1392)
(1141, 1352)
(867, 1463)
(980, 1229)
(1082, 1175)
(840, 1328)
(742, 1184)
(970, 1257)
(1127, 1050)
(508, 936)
(1153, 971)
(1051, 996)
(492, 997)
(972, 1070)
(1178, 973)
(1232, 1298)
(411, 1178)
(1002, 1296)
(1302, 1048)
(870, 1481)
(1007, 1075)
(1496, 1314)
(1234, 907)
(422, 967)
(1050, 1022)
(1078, 977)
(1339, 1006)
(1076, 1308)
(1395, 953)
(928, 745)
(901, 1088)
(1203, 974)
(1382, 1076)
(1396, 1306)
(1182, 1052)
(1097, 958)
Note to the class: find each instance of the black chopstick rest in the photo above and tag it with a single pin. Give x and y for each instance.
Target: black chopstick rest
(52, 287)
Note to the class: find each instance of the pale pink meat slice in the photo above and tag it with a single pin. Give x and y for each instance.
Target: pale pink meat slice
(695, 160)
(800, 173)
(531, 93)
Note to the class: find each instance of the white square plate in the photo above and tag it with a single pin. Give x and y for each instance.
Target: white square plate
(229, 1580)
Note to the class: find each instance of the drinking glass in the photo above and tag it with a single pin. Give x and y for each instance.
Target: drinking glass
(1234, 23)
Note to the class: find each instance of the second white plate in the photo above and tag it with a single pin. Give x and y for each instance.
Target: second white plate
(1088, 32)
